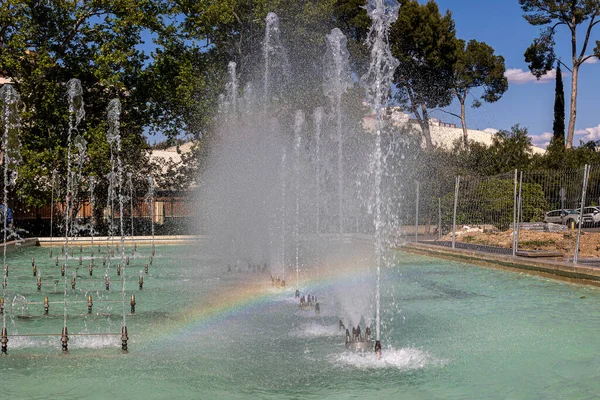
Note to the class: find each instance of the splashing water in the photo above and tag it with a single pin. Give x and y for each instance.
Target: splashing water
(11, 144)
(277, 65)
(76, 115)
(377, 82)
(337, 80)
(403, 359)
(298, 128)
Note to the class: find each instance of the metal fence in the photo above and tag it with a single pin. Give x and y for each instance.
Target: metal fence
(545, 213)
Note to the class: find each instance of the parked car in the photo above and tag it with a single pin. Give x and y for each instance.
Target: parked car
(565, 217)
(591, 215)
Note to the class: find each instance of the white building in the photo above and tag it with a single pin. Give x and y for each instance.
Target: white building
(443, 134)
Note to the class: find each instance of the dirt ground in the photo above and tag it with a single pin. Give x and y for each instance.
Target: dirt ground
(531, 240)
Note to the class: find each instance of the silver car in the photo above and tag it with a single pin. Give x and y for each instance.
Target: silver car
(565, 217)
(591, 215)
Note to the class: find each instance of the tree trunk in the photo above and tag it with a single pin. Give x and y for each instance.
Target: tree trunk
(463, 121)
(424, 122)
(573, 111)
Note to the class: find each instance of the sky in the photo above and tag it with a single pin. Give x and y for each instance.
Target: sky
(527, 102)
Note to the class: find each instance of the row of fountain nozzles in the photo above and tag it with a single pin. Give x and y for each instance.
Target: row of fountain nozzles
(277, 281)
(357, 335)
(90, 304)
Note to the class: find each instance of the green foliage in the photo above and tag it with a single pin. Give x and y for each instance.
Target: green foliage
(424, 41)
(492, 200)
(478, 67)
(558, 127)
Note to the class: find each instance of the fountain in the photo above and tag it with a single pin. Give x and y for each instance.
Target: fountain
(76, 115)
(337, 81)
(298, 127)
(11, 123)
(377, 83)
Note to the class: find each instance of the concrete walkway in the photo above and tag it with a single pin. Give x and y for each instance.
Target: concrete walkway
(579, 273)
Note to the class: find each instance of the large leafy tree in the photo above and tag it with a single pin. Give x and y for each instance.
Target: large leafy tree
(552, 14)
(424, 41)
(478, 67)
(100, 42)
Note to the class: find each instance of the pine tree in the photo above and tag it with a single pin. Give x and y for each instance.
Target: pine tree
(558, 128)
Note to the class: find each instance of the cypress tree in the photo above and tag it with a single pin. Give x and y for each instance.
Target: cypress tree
(558, 128)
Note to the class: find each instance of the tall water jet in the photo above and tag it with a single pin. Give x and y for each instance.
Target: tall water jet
(150, 201)
(76, 114)
(80, 145)
(11, 146)
(92, 205)
(277, 68)
(337, 80)
(232, 88)
(318, 116)
(377, 82)
(299, 121)
(113, 137)
(130, 182)
(53, 188)
(283, 179)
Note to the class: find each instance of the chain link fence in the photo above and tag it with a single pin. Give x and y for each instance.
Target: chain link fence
(542, 213)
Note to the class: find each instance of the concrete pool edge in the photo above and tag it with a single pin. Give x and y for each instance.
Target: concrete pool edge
(103, 240)
(551, 269)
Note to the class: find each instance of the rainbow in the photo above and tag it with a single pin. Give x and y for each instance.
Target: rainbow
(244, 297)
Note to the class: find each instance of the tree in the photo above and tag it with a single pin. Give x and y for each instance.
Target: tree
(425, 43)
(478, 67)
(541, 54)
(511, 150)
(43, 45)
(558, 127)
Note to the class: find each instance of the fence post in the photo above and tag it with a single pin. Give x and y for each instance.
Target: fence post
(514, 236)
(417, 216)
(586, 174)
(454, 216)
(439, 218)
(519, 213)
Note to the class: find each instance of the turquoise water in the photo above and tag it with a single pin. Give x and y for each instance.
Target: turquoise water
(451, 331)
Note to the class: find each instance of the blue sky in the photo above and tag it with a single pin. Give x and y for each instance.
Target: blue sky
(500, 24)
(527, 102)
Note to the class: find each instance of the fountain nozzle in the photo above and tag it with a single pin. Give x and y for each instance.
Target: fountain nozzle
(64, 338)
(34, 270)
(46, 305)
(39, 283)
(132, 303)
(141, 281)
(124, 339)
(90, 304)
(4, 341)
(378, 349)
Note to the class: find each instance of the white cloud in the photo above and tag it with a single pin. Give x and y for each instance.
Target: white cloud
(592, 60)
(517, 76)
(491, 131)
(542, 140)
(589, 133)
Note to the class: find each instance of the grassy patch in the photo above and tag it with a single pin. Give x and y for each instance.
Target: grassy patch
(538, 243)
